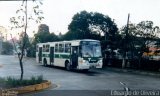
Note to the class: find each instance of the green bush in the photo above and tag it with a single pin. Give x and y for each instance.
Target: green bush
(2, 80)
(12, 82)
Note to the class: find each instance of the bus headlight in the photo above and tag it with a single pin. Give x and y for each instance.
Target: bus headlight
(99, 64)
(82, 61)
(100, 61)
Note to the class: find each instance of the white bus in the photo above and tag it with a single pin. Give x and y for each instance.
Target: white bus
(77, 54)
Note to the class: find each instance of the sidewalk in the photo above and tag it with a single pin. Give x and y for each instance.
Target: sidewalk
(134, 71)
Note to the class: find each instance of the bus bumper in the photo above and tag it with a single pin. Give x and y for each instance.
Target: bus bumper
(89, 66)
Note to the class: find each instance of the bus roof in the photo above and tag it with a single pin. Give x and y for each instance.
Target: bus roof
(69, 41)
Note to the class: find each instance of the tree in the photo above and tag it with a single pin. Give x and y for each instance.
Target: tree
(128, 42)
(91, 25)
(68, 36)
(43, 35)
(138, 37)
(43, 28)
(146, 30)
(52, 37)
(128, 39)
(22, 38)
(21, 22)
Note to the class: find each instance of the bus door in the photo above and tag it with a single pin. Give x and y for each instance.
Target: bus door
(74, 57)
(51, 55)
(40, 54)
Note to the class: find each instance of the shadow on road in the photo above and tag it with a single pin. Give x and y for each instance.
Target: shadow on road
(88, 73)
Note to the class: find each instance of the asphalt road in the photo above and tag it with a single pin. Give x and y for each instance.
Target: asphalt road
(97, 82)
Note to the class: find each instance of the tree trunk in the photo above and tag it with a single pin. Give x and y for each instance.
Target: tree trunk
(24, 42)
(139, 62)
(123, 62)
(21, 66)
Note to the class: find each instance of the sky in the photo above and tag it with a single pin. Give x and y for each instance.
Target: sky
(58, 13)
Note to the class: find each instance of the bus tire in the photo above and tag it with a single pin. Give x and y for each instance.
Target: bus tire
(45, 62)
(67, 66)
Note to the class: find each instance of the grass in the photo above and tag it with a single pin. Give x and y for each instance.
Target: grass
(11, 82)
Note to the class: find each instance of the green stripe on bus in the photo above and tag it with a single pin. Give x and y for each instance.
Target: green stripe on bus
(45, 55)
(56, 56)
(65, 56)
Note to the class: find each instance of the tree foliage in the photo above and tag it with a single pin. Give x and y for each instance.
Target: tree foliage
(139, 36)
(146, 29)
(7, 48)
(89, 25)
(43, 28)
(22, 39)
(43, 35)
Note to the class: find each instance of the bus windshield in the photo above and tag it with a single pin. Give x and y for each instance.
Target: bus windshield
(91, 49)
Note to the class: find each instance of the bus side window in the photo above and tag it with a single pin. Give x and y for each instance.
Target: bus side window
(47, 48)
(61, 48)
(67, 48)
(44, 48)
(56, 48)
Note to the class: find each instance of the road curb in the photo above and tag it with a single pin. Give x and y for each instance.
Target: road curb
(27, 89)
(135, 71)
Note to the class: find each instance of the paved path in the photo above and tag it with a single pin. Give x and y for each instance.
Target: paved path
(98, 79)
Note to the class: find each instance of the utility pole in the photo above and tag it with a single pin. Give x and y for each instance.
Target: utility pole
(106, 34)
(127, 26)
(1, 38)
(126, 44)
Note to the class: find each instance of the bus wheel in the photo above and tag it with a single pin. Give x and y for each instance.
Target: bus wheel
(45, 62)
(67, 66)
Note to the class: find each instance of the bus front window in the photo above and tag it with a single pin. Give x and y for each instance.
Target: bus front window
(91, 49)
(87, 51)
